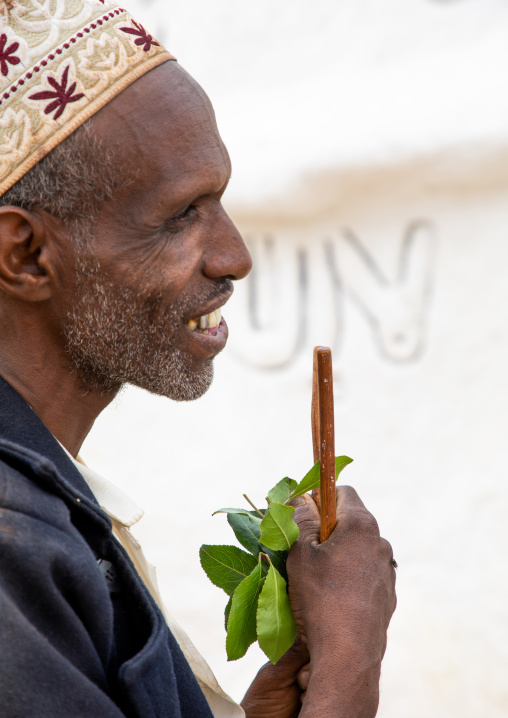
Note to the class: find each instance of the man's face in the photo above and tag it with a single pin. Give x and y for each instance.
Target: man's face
(163, 252)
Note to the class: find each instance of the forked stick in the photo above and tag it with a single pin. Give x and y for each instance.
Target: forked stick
(323, 437)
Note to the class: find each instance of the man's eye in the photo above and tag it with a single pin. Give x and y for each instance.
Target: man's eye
(179, 221)
(187, 212)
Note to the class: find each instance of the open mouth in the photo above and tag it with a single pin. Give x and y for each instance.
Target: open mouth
(206, 324)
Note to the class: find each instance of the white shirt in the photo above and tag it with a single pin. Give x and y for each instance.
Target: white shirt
(124, 513)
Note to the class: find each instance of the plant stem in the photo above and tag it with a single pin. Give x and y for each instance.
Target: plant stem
(254, 507)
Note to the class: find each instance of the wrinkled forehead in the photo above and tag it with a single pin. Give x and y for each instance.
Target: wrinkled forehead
(163, 129)
(165, 111)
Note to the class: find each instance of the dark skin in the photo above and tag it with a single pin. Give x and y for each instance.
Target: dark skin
(342, 593)
(174, 151)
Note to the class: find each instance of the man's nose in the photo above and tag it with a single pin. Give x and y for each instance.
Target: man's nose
(226, 254)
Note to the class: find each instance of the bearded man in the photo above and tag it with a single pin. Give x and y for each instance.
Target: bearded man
(116, 257)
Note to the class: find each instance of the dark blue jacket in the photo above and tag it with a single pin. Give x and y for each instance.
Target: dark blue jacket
(73, 644)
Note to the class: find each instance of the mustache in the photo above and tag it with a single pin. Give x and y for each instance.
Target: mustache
(221, 288)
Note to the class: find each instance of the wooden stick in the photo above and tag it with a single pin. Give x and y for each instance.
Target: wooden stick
(315, 406)
(315, 418)
(323, 436)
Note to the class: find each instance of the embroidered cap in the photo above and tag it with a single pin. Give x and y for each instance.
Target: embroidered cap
(60, 62)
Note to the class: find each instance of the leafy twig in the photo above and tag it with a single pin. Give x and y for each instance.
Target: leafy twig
(254, 507)
(258, 606)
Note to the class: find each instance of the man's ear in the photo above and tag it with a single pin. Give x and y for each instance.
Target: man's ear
(23, 237)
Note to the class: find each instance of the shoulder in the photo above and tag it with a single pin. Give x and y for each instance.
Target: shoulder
(42, 534)
(49, 577)
(21, 494)
(38, 539)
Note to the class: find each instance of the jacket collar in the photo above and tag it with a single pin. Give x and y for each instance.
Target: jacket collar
(19, 424)
(118, 506)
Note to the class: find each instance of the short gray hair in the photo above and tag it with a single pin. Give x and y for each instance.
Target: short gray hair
(72, 182)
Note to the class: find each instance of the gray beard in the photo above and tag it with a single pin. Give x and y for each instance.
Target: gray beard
(116, 335)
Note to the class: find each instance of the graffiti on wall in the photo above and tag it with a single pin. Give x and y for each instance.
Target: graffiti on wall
(302, 293)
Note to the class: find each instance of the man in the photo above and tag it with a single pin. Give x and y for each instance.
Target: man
(116, 258)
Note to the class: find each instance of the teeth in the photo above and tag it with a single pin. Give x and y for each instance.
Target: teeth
(207, 321)
(215, 318)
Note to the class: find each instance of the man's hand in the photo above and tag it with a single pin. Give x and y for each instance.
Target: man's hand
(276, 690)
(342, 594)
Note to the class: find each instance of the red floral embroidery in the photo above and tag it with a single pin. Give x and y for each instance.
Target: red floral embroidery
(61, 95)
(143, 37)
(6, 55)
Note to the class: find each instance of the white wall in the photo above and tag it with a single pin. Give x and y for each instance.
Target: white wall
(362, 134)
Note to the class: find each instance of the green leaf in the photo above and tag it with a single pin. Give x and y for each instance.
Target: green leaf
(235, 511)
(278, 530)
(340, 463)
(312, 479)
(247, 512)
(247, 531)
(242, 618)
(276, 628)
(226, 566)
(227, 611)
(278, 558)
(281, 491)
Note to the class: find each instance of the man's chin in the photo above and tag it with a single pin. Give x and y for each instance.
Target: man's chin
(179, 385)
(168, 374)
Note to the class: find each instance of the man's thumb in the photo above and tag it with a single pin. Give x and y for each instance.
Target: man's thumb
(307, 517)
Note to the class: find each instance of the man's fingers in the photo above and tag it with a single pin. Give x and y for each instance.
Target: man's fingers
(290, 665)
(303, 677)
(307, 517)
(347, 498)
(352, 514)
(295, 657)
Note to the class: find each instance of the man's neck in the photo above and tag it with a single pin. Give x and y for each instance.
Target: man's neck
(65, 407)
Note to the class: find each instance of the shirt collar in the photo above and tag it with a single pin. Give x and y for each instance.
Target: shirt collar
(115, 502)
